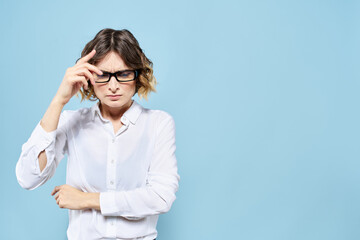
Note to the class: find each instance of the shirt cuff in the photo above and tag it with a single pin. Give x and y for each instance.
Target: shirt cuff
(108, 206)
(42, 136)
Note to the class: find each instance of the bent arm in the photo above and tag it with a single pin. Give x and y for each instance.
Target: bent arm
(44, 149)
(49, 123)
(155, 198)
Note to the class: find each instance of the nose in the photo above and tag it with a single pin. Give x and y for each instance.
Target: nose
(113, 84)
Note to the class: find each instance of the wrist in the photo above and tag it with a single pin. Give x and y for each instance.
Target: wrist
(92, 200)
(58, 101)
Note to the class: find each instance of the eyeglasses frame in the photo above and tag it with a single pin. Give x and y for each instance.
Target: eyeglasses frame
(114, 74)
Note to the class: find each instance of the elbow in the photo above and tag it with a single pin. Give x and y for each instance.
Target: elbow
(25, 179)
(166, 197)
(165, 209)
(164, 204)
(26, 186)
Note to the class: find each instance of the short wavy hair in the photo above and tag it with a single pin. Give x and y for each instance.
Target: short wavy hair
(125, 44)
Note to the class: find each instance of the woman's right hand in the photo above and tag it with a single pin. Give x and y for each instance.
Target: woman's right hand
(77, 77)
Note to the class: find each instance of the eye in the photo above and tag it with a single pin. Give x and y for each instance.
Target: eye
(124, 74)
(103, 76)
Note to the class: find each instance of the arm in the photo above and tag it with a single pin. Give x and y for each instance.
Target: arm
(162, 182)
(44, 149)
(49, 123)
(46, 146)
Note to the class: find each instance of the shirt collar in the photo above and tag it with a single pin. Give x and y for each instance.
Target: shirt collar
(132, 114)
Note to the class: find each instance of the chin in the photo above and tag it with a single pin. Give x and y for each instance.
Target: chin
(117, 103)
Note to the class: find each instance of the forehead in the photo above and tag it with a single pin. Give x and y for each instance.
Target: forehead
(112, 62)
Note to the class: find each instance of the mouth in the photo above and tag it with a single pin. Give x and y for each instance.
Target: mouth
(113, 97)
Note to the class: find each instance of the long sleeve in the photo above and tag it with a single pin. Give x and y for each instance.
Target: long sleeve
(55, 145)
(162, 182)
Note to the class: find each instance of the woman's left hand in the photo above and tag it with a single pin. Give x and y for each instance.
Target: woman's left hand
(69, 197)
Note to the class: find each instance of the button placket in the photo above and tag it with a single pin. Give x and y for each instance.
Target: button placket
(111, 167)
(111, 228)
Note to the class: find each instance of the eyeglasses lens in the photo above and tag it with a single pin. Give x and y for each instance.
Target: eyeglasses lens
(125, 75)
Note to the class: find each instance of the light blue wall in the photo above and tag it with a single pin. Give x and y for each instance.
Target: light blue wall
(265, 96)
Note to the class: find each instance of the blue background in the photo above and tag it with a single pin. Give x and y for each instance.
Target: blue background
(265, 97)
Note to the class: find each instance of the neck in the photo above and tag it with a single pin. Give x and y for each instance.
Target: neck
(113, 113)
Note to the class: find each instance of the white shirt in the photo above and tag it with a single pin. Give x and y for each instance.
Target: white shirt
(135, 170)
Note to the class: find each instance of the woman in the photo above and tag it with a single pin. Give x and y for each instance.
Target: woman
(121, 168)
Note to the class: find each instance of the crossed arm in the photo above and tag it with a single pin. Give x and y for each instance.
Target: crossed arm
(69, 197)
(155, 197)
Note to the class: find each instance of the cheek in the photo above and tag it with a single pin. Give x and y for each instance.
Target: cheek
(99, 88)
(96, 90)
(100, 92)
(130, 87)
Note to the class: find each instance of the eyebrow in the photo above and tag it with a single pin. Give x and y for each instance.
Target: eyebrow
(115, 71)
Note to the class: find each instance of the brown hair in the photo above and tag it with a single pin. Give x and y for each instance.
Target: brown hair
(125, 44)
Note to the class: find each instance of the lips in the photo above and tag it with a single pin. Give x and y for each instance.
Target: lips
(113, 97)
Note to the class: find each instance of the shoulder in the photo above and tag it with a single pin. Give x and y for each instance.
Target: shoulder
(160, 120)
(157, 115)
(77, 114)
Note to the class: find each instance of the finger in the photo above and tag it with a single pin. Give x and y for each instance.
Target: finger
(85, 72)
(87, 57)
(93, 68)
(94, 71)
(93, 81)
(85, 84)
(80, 81)
(78, 85)
(54, 191)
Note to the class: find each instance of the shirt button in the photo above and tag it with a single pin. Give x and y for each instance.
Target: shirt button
(112, 223)
(111, 182)
(112, 160)
(113, 140)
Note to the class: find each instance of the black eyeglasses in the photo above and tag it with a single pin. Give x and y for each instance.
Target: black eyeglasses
(120, 76)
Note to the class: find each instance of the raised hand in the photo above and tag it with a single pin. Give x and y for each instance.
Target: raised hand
(77, 77)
